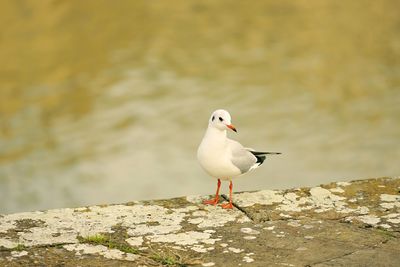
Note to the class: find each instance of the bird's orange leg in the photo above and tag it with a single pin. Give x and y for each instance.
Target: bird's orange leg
(229, 205)
(215, 200)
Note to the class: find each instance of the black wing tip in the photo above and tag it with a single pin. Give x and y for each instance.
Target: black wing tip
(260, 159)
(261, 155)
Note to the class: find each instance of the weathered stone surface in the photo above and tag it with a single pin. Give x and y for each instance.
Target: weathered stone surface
(338, 224)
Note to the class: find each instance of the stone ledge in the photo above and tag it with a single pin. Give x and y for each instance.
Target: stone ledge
(337, 224)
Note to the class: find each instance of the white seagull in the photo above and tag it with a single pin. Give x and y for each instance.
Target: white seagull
(223, 158)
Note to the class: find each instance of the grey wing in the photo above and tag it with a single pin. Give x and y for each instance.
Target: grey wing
(241, 157)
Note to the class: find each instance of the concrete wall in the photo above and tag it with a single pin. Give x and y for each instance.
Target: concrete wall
(339, 224)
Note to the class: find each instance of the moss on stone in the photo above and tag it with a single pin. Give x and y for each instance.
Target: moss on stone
(100, 239)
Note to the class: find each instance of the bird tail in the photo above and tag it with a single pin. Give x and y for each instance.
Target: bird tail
(256, 153)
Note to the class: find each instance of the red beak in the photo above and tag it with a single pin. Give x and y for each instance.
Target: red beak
(230, 126)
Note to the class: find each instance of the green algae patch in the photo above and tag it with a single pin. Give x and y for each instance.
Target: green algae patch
(165, 257)
(100, 239)
(19, 247)
(170, 258)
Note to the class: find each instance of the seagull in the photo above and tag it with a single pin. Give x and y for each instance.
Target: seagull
(224, 158)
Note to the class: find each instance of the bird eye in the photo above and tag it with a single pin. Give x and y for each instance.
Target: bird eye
(212, 119)
(220, 119)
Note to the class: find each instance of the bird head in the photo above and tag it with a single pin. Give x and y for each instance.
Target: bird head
(221, 120)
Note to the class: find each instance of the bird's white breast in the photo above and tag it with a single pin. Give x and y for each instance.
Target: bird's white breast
(215, 158)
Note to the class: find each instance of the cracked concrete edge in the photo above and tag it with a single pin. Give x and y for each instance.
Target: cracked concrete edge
(372, 202)
(186, 224)
(176, 222)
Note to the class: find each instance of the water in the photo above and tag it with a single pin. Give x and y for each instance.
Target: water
(105, 103)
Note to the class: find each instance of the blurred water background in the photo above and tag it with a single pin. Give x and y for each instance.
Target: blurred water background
(107, 101)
